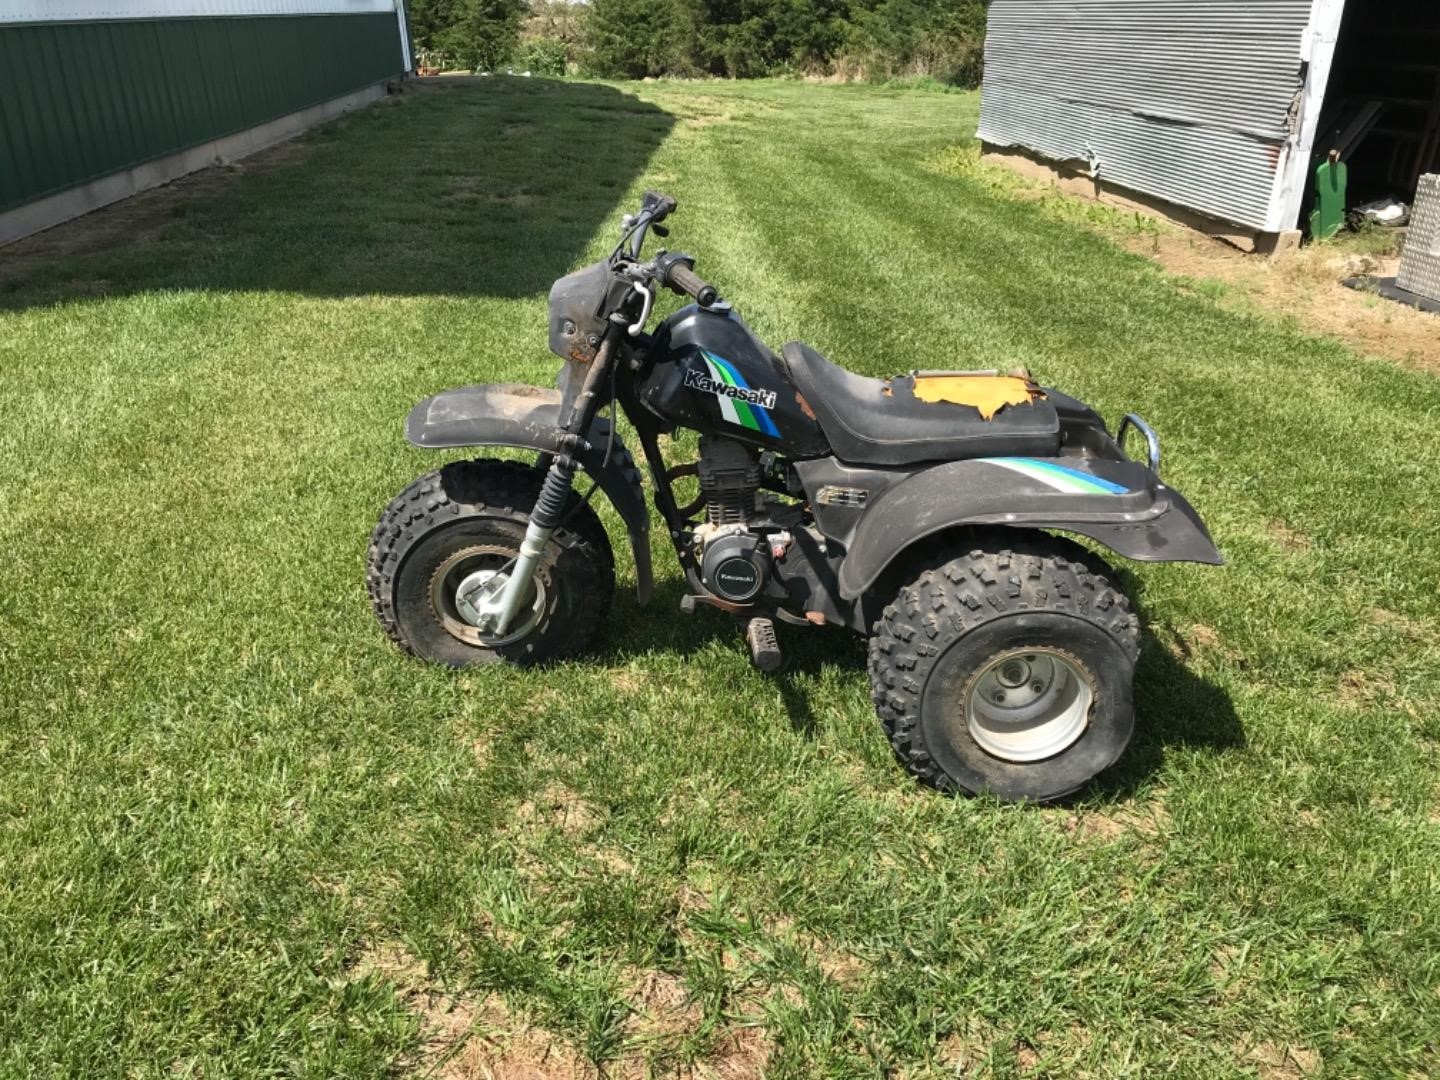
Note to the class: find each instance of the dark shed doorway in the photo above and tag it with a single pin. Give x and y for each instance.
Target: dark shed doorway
(1382, 107)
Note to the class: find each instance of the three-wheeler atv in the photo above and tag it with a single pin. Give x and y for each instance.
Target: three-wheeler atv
(920, 510)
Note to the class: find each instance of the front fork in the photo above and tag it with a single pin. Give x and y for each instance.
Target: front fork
(497, 605)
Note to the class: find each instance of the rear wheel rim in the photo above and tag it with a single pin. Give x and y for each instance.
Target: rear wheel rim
(471, 568)
(1029, 704)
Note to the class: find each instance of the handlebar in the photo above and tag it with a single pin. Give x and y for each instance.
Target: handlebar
(682, 279)
(675, 270)
(655, 207)
(658, 205)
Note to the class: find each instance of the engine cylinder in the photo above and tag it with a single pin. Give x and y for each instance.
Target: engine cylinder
(729, 478)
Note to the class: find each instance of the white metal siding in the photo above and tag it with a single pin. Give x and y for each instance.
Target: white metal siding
(1193, 101)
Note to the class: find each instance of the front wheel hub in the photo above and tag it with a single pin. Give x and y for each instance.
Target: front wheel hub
(464, 581)
(1029, 704)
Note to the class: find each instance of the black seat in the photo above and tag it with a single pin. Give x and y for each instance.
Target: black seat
(867, 426)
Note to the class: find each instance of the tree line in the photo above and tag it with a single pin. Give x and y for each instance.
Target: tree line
(873, 40)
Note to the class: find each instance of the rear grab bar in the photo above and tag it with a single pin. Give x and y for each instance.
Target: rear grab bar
(1152, 441)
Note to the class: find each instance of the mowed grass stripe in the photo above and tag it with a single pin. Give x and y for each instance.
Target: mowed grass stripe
(227, 799)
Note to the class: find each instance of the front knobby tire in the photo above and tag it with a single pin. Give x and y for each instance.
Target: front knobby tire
(468, 516)
(1008, 670)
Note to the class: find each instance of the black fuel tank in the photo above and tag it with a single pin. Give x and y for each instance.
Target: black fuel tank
(709, 372)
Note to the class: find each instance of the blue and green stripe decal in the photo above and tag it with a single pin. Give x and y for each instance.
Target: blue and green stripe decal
(734, 410)
(1058, 477)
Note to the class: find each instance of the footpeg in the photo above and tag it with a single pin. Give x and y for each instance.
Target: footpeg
(764, 648)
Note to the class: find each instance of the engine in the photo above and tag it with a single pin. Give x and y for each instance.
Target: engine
(729, 479)
(734, 559)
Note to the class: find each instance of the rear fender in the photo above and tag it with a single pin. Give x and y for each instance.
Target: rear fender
(528, 418)
(1121, 504)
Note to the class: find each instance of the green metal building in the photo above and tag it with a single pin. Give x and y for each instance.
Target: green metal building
(103, 98)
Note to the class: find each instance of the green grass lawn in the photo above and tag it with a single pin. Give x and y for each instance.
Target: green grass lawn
(241, 834)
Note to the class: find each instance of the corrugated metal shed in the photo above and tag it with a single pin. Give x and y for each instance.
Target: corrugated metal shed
(1200, 104)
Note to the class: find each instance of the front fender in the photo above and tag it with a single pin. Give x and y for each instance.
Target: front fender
(528, 418)
(1121, 504)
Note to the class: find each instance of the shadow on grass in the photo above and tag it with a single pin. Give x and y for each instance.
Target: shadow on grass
(1176, 708)
(660, 627)
(492, 187)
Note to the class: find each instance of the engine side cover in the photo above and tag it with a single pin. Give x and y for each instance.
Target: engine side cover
(736, 566)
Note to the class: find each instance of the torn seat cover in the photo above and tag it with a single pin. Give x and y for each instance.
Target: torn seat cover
(885, 422)
(985, 392)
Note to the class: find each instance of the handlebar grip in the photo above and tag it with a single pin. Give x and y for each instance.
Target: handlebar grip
(692, 284)
(658, 204)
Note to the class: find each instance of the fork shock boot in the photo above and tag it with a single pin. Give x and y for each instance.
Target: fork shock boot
(549, 509)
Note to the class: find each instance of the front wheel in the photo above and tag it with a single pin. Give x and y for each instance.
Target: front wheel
(443, 538)
(1008, 671)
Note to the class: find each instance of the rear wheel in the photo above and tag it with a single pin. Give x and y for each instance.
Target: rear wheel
(443, 538)
(1008, 670)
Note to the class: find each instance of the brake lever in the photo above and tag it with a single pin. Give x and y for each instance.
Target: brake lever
(634, 330)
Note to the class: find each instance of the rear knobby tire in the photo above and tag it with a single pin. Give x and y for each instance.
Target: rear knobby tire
(464, 514)
(1044, 600)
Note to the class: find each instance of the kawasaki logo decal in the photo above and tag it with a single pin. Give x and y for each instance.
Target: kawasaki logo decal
(695, 379)
(739, 403)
